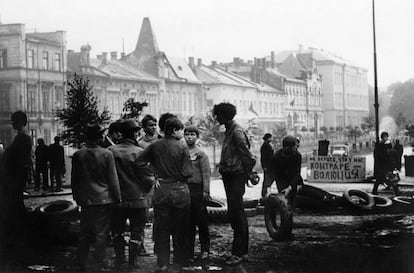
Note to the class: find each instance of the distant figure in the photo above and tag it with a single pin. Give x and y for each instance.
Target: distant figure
(286, 165)
(16, 161)
(399, 150)
(383, 163)
(149, 124)
(134, 192)
(57, 164)
(236, 167)
(114, 135)
(95, 189)
(266, 155)
(42, 157)
(199, 185)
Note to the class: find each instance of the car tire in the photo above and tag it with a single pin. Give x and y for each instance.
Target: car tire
(402, 204)
(278, 218)
(354, 198)
(58, 208)
(382, 201)
(216, 211)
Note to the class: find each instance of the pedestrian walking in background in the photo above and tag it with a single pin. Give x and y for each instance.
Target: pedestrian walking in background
(95, 189)
(383, 163)
(42, 158)
(171, 161)
(149, 124)
(16, 162)
(286, 166)
(266, 155)
(57, 164)
(236, 165)
(114, 135)
(134, 192)
(199, 185)
(399, 150)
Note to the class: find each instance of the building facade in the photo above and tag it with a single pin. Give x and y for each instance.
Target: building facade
(32, 79)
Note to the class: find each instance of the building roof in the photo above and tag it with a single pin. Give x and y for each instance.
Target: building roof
(121, 69)
(181, 69)
(218, 75)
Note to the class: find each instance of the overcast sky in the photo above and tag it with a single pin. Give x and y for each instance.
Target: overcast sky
(222, 29)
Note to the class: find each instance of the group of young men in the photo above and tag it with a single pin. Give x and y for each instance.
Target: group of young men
(131, 174)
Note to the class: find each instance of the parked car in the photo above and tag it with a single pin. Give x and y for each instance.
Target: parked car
(340, 150)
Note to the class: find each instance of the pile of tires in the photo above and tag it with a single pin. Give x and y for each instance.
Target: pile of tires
(314, 198)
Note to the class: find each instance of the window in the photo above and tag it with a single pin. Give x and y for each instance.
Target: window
(31, 89)
(57, 62)
(4, 98)
(3, 58)
(45, 98)
(30, 58)
(45, 60)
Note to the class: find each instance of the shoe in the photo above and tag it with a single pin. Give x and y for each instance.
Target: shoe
(204, 256)
(234, 260)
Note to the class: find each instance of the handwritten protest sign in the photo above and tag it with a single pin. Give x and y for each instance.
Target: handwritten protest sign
(336, 169)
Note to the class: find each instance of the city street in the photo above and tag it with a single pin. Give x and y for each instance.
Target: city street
(330, 241)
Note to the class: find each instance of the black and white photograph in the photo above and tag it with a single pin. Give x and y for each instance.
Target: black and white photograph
(227, 136)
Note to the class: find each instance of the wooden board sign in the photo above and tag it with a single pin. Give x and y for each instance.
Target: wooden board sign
(336, 169)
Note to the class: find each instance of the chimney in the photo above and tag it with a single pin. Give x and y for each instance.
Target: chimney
(258, 63)
(199, 62)
(191, 62)
(104, 57)
(114, 55)
(272, 59)
(236, 61)
(71, 51)
(213, 64)
(85, 49)
(264, 63)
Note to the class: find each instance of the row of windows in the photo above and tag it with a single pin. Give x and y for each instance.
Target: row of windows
(47, 63)
(353, 80)
(261, 107)
(3, 58)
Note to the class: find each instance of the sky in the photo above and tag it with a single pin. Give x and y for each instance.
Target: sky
(222, 29)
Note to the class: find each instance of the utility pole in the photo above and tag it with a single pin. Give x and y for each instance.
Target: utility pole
(376, 105)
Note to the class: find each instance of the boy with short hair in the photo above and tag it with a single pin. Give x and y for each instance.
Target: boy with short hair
(199, 185)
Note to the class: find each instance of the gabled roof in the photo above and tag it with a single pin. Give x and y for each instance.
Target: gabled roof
(121, 69)
(291, 67)
(219, 75)
(181, 69)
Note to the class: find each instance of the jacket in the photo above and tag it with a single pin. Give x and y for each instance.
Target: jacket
(56, 156)
(201, 169)
(235, 155)
(134, 189)
(266, 155)
(94, 179)
(286, 166)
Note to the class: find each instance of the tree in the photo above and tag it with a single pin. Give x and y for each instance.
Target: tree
(354, 132)
(279, 131)
(402, 101)
(211, 132)
(132, 109)
(82, 109)
(324, 129)
(401, 120)
(368, 123)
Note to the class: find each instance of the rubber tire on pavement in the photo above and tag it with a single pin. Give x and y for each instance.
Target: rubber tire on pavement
(402, 204)
(217, 211)
(58, 208)
(250, 203)
(308, 203)
(369, 200)
(320, 197)
(278, 218)
(382, 201)
(250, 212)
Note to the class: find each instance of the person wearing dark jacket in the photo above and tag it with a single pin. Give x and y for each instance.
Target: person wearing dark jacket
(134, 192)
(286, 166)
(57, 164)
(95, 188)
(236, 165)
(170, 159)
(266, 155)
(114, 135)
(17, 158)
(383, 163)
(399, 150)
(42, 156)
